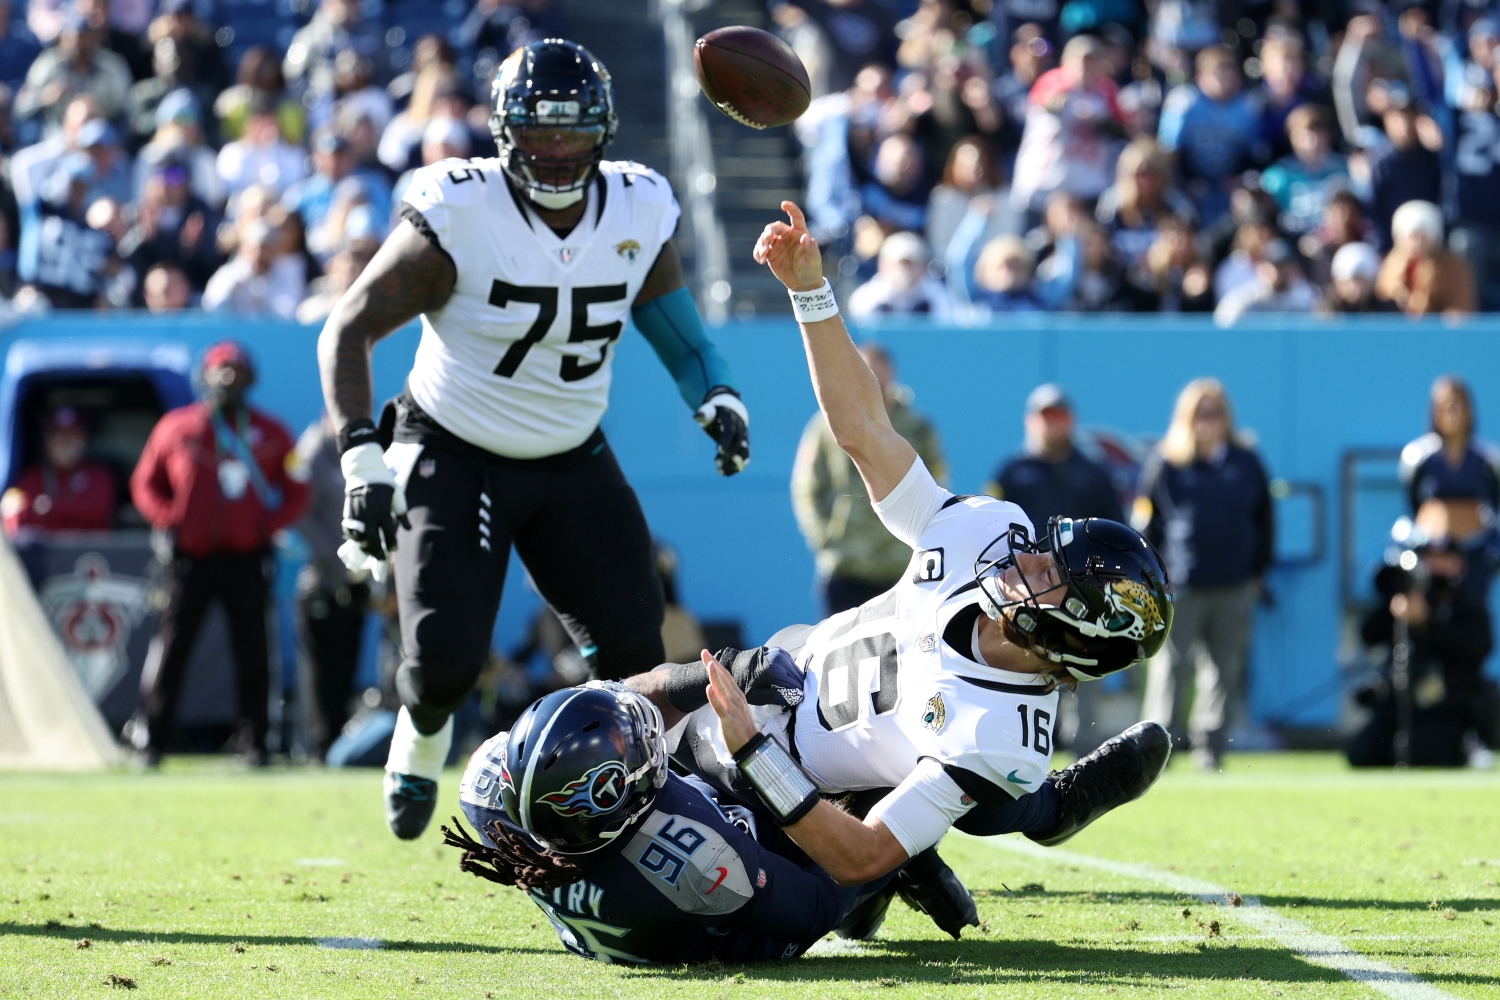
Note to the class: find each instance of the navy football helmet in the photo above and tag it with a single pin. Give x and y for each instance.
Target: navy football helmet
(552, 113)
(1097, 599)
(582, 764)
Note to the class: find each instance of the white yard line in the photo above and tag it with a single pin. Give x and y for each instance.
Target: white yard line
(1320, 949)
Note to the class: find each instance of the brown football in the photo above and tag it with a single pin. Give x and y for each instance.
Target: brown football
(752, 76)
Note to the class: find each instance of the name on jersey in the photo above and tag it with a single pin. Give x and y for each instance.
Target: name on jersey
(929, 566)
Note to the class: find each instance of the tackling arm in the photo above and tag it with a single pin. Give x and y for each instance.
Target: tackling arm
(846, 389)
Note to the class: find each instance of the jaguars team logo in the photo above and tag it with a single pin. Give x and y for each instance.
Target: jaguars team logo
(629, 249)
(597, 793)
(936, 715)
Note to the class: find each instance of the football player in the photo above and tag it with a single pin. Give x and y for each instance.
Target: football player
(524, 269)
(631, 863)
(943, 689)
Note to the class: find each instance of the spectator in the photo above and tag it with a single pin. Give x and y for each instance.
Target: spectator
(1143, 193)
(216, 475)
(1304, 182)
(855, 33)
(1285, 86)
(857, 558)
(970, 173)
(337, 26)
(169, 78)
(896, 196)
(1449, 462)
(507, 25)
(902, 285)
(250, 285)
(1469, 83)
(259, 83)
(112, 174)
(1213, 127)
(65, 491)
(262, 156)
(67, 257)
(167, 289)
(201, 55)
(434, 95)
(443, 139)
(1205, 503)
(1030, 57)
(1093, 279)
(357, 95)
(126, 42)
(1343, 223)
(336, 180)
(1352, 281)
(179, 138)
(331, 601)
(1278, 287)
(1003, 276)
(76, 65)
(32, 166)
(172, 225)
(1242, 266)
(1073, 130)
(17, 51)
(428, 50)
(1476, 230)
(1408, 168)
(1421, 276)
(1050, 477)
(1173, 275)
(325, 292)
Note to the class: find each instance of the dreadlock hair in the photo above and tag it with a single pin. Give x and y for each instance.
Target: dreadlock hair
(514, 860)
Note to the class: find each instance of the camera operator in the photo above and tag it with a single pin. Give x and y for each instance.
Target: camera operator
(1432, 692)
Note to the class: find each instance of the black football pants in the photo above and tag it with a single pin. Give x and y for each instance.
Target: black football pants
(582, 536)
(243, 584)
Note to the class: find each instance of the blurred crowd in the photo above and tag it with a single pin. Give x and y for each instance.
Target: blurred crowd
(149, 159)
(972, 157)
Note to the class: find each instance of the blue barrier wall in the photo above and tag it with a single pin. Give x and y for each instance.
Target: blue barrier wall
(1309, 390)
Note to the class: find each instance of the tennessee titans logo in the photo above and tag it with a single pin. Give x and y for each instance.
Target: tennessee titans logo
(598, 792)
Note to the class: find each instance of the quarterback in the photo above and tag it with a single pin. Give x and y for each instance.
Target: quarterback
(523, 269)
(938, 696)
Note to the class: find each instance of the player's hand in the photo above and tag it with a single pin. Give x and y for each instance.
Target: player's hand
(370, 508)
(724, 418)
(766, 675)
(790, 252)
(729, 705)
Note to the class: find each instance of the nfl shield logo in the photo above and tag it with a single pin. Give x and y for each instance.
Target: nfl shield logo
(566, 254)
(427, 467)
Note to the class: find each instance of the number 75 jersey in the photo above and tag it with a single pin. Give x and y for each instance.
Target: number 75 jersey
(518, 360)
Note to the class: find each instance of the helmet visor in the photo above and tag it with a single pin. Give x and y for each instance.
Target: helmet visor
(557, 157)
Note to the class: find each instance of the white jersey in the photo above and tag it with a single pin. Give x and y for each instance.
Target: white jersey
(518, 360)
(895, 694)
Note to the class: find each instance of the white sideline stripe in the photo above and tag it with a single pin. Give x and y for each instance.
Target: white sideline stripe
(354, 943)
(1320, 949)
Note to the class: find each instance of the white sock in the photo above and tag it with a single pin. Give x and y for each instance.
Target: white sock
(413, 753)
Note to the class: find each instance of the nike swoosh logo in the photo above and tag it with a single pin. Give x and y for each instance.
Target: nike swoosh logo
(1012, 777)
(723, 874)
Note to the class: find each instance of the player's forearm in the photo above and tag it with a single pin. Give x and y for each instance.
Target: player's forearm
(652, 685)
(850, 851)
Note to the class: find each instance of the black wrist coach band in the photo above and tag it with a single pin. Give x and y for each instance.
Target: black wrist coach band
(783, 786)
(360, 430)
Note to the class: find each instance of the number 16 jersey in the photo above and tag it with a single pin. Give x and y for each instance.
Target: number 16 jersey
(517, 362)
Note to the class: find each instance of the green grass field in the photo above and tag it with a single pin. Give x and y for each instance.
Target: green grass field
(206, 883)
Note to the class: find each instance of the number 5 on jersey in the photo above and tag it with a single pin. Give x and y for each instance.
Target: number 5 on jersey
(502, 294)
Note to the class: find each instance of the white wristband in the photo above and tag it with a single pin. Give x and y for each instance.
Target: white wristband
(818, 304)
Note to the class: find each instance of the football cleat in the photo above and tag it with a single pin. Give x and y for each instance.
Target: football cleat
(1119, 771)
(409, 803)
(929, 886)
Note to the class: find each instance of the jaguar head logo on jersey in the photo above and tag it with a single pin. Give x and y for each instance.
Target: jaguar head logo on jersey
(598, 792)
(936, 715)
(629, 249)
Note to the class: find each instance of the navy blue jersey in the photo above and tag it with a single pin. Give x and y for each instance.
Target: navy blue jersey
(1074, 487)
(1478, 150)
(1427, 475)
(687, 883)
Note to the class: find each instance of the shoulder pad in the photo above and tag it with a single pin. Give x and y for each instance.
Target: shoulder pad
(1417, 452)
(687, 860)
(451, 182)
(643, 182)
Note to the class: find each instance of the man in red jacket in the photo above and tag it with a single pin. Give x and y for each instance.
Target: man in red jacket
(217, 474)
(65, 491)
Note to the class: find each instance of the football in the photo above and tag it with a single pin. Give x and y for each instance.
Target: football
(752, 76)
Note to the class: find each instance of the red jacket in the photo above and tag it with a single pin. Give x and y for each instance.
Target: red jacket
(176, 484)
(81, 500)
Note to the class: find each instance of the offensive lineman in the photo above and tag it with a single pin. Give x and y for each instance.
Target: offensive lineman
(523, 269)
(944, 688)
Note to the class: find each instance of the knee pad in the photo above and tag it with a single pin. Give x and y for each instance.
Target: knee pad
(620, 658)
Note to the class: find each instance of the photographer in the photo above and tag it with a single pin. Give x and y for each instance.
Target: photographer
(1447, 636)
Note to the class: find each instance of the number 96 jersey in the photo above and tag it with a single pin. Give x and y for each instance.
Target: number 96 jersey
(518, 360)
(898, 679)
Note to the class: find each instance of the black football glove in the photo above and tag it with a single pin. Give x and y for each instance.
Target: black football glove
(767, 676)
(370, 517)
(724, 418)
